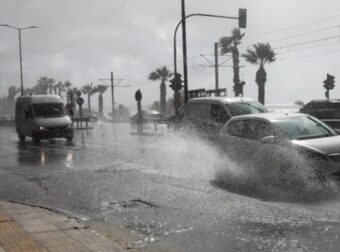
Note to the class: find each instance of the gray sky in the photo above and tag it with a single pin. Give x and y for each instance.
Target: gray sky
(83, 40)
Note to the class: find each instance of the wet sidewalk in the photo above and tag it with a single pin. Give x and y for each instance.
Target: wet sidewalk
(32, 229)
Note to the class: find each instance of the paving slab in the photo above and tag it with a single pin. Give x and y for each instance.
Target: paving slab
(33, 229)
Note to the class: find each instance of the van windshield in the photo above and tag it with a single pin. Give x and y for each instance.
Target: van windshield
(48, 110)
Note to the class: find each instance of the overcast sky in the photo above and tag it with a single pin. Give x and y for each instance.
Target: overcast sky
(84, 40)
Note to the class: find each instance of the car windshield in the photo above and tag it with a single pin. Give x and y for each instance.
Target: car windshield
(48, 110)
(245, 108)
(303, 127)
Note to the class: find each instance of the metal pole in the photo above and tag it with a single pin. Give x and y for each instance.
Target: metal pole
(20, 55)
(175, 44)
(113, 98)
(185, 67)
(216, 66)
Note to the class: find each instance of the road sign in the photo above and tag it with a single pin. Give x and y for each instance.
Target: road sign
(80, 101)
(138, 95)
(78, 93)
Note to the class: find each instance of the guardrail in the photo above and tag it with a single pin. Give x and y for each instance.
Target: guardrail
(79, 122)
(7, 123)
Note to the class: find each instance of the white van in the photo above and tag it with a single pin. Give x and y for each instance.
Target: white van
(42, 117)
(207, 115)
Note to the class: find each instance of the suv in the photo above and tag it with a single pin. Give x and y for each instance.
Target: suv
(325, 110)
(207, 115)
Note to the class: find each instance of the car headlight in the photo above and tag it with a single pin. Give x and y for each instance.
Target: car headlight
(69, 126)
(41, 128)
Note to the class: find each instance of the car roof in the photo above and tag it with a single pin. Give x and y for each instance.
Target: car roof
(269, 116)
(325, 100)
(221, 99)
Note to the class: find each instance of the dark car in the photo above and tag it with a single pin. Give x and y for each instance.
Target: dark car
(325, 110)
(207, 115)
(272, 140)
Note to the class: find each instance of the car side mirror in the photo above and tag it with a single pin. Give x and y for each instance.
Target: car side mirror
(271, 140)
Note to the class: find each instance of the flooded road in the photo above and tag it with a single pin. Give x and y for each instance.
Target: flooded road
(161, 193)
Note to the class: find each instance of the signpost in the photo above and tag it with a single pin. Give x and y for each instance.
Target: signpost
(80, 102)
(138, 97)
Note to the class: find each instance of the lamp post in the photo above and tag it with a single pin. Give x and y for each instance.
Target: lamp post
(182, 22)
(20, 55)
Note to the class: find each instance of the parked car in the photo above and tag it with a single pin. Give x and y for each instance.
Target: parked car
(207, 115)
(325, 110)
(272, 140)
(42, 117)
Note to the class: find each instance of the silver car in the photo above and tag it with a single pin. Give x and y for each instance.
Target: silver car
(278, 142)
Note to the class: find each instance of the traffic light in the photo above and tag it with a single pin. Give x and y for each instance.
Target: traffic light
(242, 18)
(329, 82)
(176, 82)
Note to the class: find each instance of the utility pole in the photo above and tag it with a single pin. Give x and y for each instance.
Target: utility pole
(184, 42)
(113, 85)
(113, 98)
(216, 66)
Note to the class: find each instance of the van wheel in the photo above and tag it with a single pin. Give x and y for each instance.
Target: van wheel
(69, 139)
(35, 138)
(20, 136)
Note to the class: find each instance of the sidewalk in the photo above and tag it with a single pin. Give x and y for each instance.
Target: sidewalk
(32, 229)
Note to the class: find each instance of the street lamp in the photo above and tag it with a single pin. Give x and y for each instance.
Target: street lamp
(242, 23)
(19, 30)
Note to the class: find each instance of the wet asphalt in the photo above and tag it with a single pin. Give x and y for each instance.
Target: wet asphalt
(166, 192)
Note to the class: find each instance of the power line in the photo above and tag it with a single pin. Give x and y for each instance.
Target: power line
(292, 27)
(92, 28)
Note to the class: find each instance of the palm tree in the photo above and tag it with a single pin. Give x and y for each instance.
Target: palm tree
(229, 45)
(44, 84)
(101, 89)
(89, 90)
(60, 87)
(261, 54)
(163, 74)
(12, 92)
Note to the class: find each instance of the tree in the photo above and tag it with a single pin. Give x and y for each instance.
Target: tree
(229, 45)
(299, 103)
(89, 90)
(44, 84)
(60, 87)
(12, 92)
(67, 85)
(163, 74)
(101, 89)
(261, 54)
